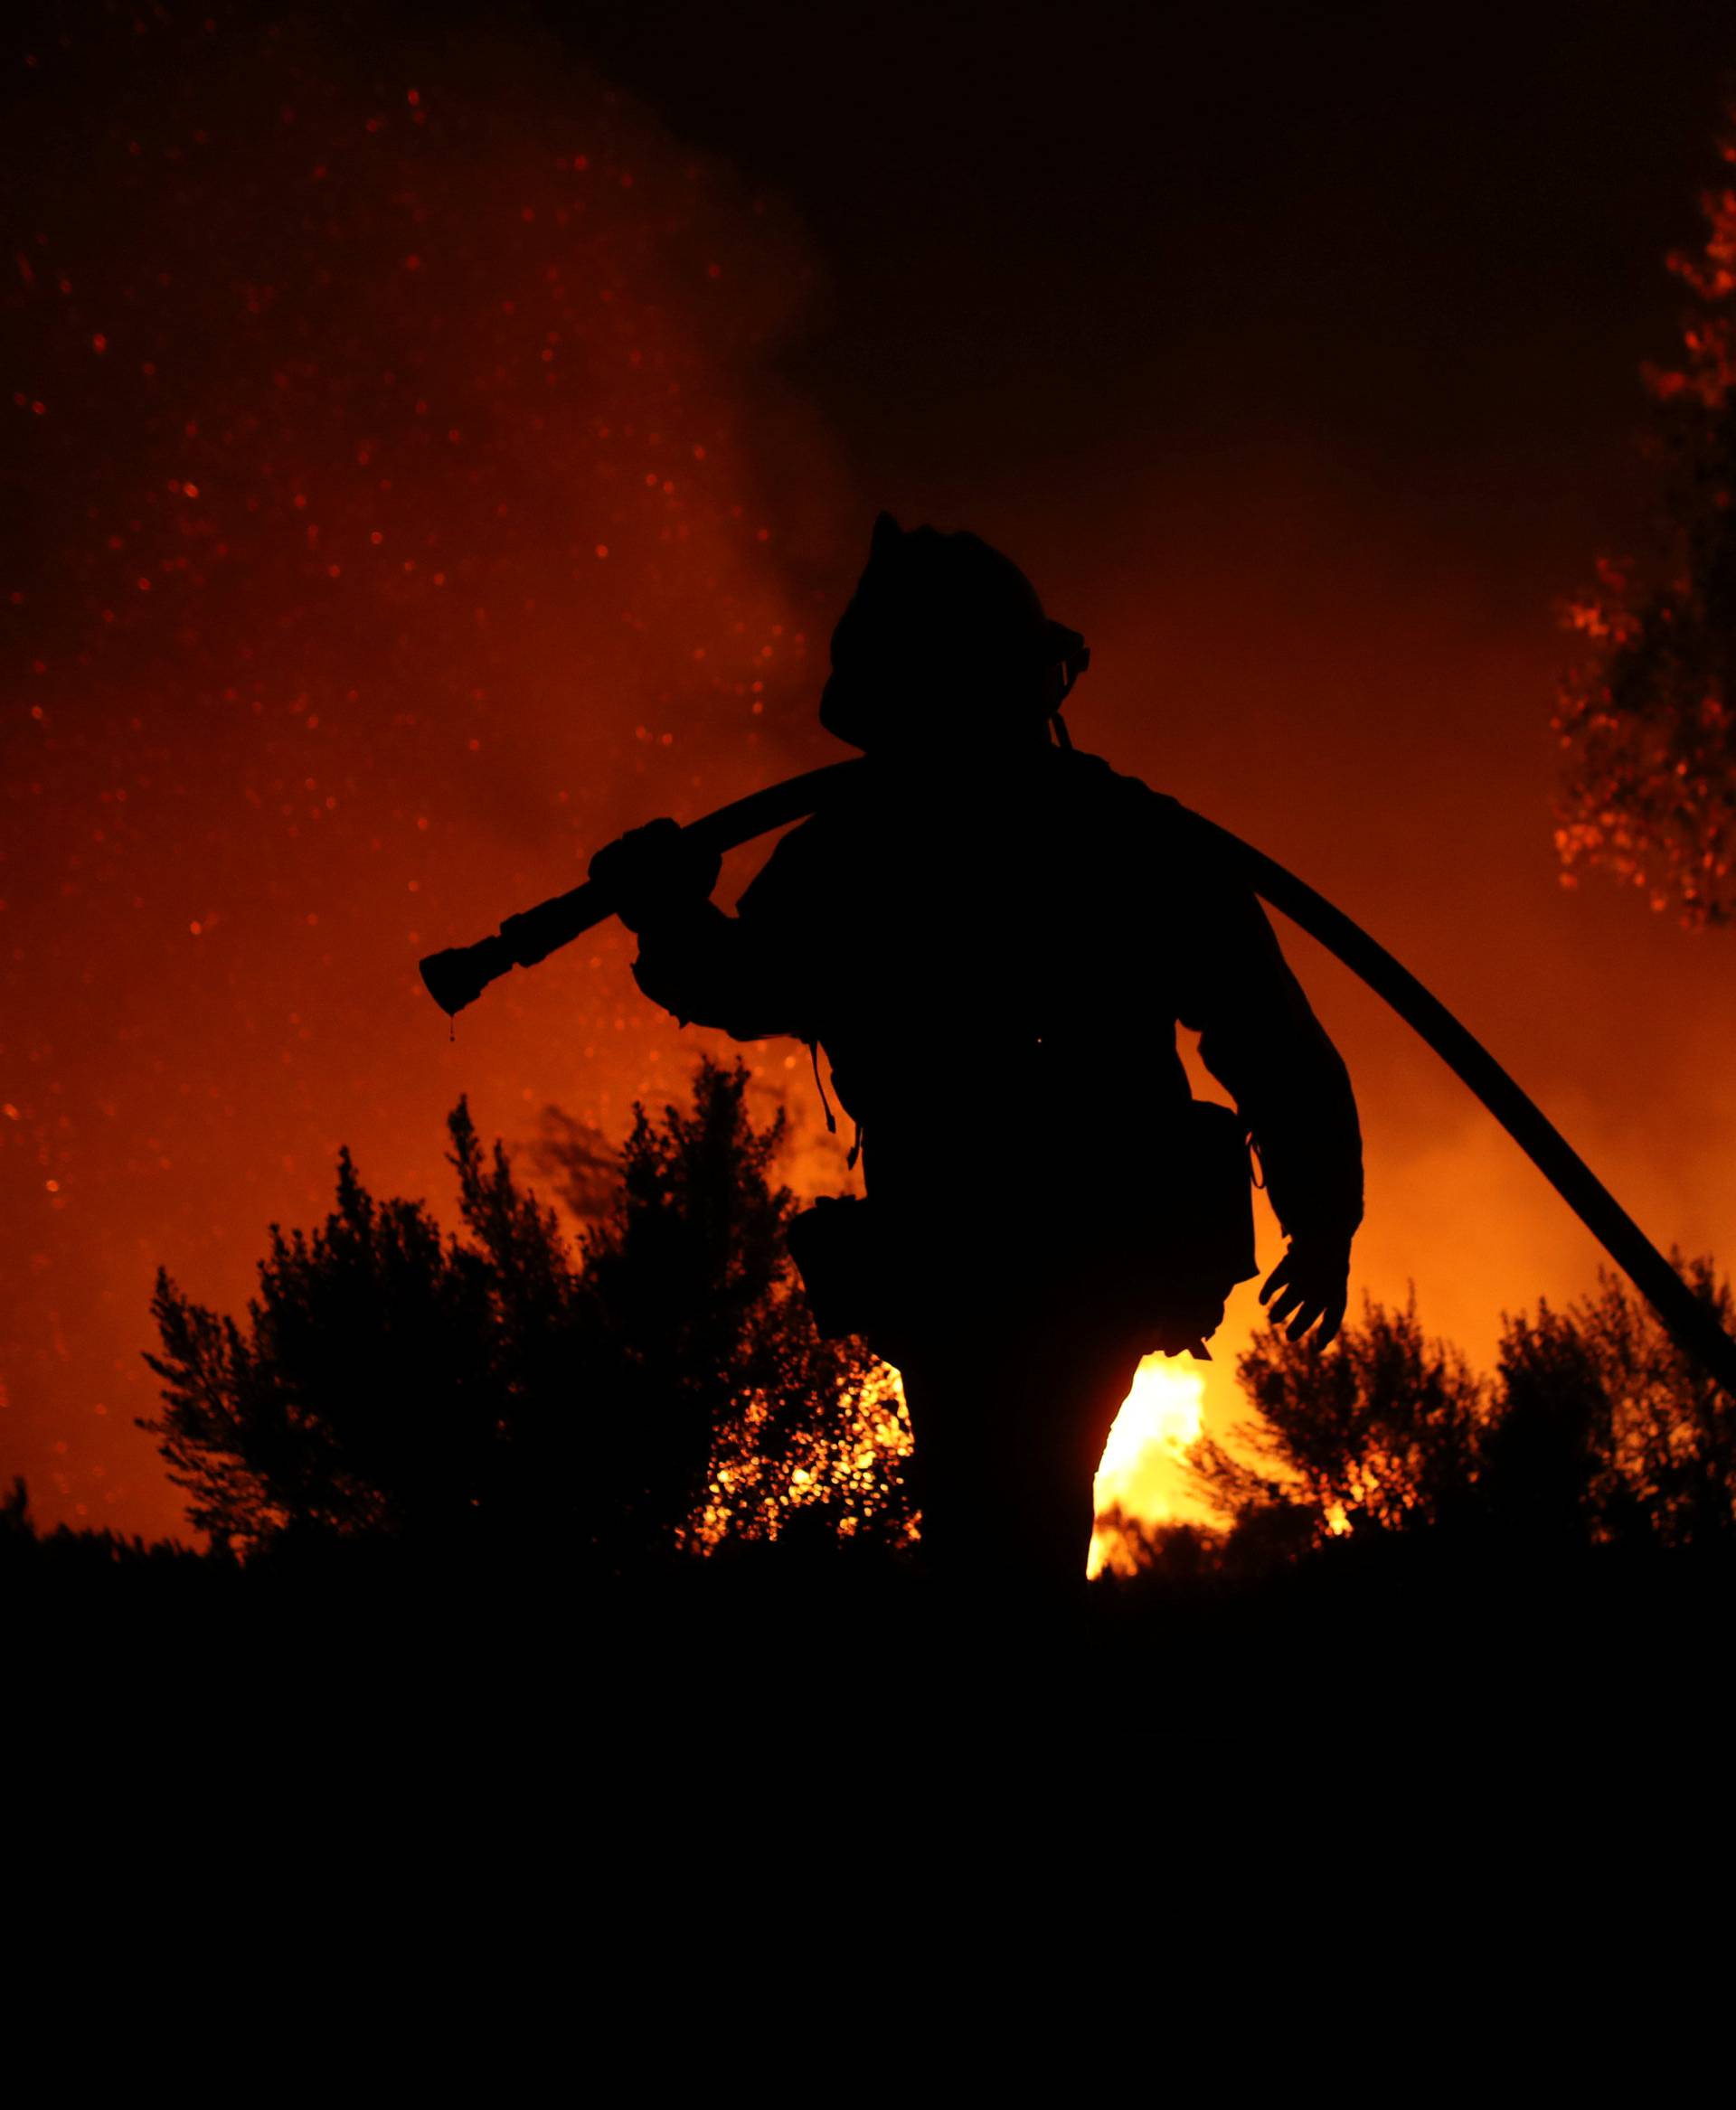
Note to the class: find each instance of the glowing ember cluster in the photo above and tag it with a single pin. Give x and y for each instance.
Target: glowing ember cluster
(1647, 717)
(849, 1474)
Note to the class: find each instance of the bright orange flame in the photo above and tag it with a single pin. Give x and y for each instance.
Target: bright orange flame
(1140, 1474)
(754, 1500)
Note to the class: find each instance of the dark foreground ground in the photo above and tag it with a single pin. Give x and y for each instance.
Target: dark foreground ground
(377, 1643)
(554, 1800)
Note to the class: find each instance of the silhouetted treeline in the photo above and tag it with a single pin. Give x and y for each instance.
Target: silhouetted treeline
(513, 1392)
(1595, 1430)
(76, 1558)
(605, 1402)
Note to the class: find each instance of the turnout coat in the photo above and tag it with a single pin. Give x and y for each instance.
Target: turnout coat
(996, 967)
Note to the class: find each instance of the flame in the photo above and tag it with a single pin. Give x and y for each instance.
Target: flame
(753, 1498)
(1140, 1474)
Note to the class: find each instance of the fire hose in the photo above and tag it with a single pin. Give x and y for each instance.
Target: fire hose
(457, 977)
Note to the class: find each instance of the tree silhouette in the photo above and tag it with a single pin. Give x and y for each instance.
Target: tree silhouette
(659, 1383)
(1605, 1398)
(1647, 717)
(725, 1407)
(382, 1374)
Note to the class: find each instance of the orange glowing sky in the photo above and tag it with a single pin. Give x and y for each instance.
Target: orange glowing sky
(442, 462)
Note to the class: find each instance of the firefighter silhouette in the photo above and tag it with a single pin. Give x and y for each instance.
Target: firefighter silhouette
(991, 937)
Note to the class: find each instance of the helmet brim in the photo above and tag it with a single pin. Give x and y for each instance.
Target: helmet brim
(1061, 644)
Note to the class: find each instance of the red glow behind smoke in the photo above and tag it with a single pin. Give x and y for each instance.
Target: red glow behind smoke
(397, 535)
(1317, 579)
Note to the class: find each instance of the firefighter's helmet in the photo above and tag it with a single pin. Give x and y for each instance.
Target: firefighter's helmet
(944, 634)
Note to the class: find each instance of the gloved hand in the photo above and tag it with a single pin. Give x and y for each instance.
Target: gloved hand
(1309, 1286)
(654, 872)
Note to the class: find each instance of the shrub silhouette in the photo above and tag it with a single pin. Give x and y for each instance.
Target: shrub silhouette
(72, 1556)
(370, 1387)
(1600, 1398)
(659, 1385)
(1597, 1429)
(1382, 1430)
(718, 1405)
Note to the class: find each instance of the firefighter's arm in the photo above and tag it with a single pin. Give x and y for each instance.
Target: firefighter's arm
(1260, 1036)
(708, 968)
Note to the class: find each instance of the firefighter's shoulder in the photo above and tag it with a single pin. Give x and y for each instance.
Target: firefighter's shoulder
(801, 865)
(1119, 798)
